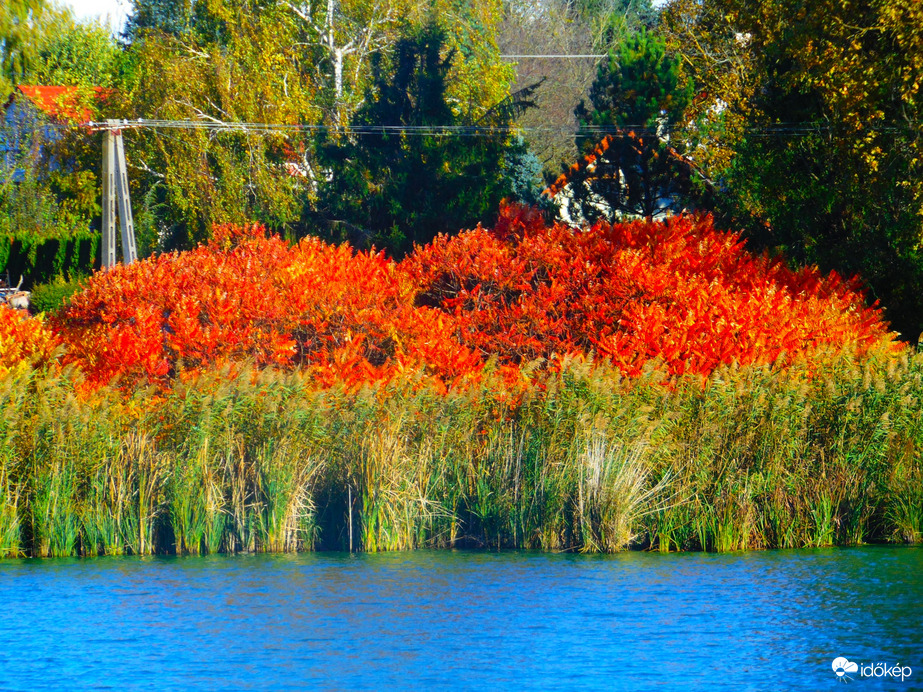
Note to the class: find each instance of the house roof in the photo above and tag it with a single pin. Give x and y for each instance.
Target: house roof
(62, 102)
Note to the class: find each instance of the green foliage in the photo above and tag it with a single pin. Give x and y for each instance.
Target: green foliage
(523, 170)
(638, 96)
(835, 218)
(477, 79)
(233, 65)
(29, 210)
(19, 36)
(40, 260)
(76, 55)
(405, 175)
(47, 204)
(637, 87)
(50, 297)
(272, 62)
(628, 14)
(49, 185)
(164, 16)
(43, 233)
(818, 148)
(41, 43)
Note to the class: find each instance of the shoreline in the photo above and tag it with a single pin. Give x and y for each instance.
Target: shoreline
(473, 550)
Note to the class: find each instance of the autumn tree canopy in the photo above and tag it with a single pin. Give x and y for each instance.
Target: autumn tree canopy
(809, 114)
(414, 166)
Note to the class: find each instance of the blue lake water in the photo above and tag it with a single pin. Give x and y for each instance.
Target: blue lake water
(467, 620)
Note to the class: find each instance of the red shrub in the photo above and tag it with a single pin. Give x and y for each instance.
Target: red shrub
(677, 291)
(23, 339)
(346, 315)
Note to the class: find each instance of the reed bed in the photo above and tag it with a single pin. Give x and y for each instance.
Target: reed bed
(812, 454)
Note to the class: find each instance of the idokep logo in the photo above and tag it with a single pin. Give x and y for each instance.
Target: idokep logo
(843, 666)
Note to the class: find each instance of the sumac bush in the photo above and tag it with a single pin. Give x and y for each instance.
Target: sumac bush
(23, 340)
(679, 292)
(345, 315)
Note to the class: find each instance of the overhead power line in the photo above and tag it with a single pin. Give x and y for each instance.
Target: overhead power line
(555, 56)
(260, 128)
(448, 130)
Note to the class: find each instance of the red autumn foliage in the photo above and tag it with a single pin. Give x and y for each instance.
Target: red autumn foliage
(678, 291)
(347, 316)
(23, 339)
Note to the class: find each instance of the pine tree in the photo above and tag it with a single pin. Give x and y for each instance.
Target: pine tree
(637, 97)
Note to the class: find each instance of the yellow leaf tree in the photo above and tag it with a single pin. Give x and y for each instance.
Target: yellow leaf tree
(808, 114)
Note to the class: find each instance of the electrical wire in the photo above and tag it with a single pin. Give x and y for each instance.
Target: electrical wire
(260, 128)
(553, 56)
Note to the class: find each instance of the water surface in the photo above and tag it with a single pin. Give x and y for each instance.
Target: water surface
(469, 620)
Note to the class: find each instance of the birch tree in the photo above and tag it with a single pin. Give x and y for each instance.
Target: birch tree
(342, 35)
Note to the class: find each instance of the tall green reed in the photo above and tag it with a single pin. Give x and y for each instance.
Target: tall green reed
(819, 453)
(10, 524)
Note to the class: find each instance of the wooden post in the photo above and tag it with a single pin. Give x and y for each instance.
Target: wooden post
(108, 249)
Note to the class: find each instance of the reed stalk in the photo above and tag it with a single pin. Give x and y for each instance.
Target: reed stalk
(10, 524)
(613, 493)
(286, 486)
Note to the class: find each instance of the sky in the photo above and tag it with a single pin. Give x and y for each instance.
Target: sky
(112, 12)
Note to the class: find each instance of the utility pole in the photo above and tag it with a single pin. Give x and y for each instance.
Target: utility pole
(115, 192)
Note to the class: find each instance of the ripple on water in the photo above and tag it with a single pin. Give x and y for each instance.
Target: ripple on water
(471, 620)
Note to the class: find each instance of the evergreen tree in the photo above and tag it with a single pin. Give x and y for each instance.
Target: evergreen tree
(637, 97)
(409, 168)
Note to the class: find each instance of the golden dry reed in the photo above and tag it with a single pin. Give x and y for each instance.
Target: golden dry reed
(812, 454)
